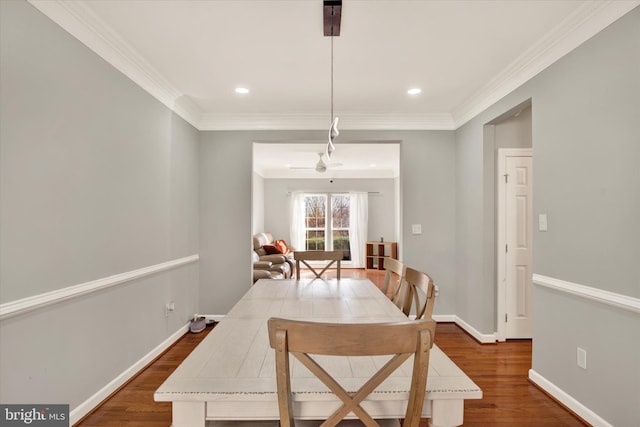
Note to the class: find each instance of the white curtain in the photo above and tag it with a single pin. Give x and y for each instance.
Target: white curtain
(359, 221)
(296, 230)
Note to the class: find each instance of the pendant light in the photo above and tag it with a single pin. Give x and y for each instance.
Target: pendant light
(332, 14)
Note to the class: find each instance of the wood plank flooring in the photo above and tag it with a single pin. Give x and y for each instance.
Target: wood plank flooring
(500, 370)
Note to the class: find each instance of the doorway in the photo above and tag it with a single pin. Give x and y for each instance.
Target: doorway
(282, 168)
(511, 134)
(515, 252)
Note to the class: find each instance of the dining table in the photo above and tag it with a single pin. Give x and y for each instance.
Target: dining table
(230, 375)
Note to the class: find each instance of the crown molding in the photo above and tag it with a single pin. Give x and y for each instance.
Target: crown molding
(353, 121)
(81, 22)
(397, 121)
(585, 22)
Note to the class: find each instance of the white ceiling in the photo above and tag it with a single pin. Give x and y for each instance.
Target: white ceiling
(464, 55)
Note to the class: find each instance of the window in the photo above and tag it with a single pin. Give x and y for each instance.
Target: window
(340, 224)
(323, 231)
(315, 213)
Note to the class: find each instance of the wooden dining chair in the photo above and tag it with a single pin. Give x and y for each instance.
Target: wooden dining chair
(330, 256)
(420, 293)
(302, 339)
(392, 282)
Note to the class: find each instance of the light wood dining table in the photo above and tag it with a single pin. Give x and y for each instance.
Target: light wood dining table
(231, 374)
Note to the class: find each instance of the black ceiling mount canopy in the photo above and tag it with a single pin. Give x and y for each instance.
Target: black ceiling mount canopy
(332, 12)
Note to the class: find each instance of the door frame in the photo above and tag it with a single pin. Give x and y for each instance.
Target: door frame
(501, 294)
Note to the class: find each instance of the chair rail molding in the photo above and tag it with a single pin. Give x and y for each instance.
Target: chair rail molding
(606, 297)
(14, 308)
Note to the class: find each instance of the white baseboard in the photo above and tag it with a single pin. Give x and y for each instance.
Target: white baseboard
(444, 317)
(479, 336)
(482, 338)
(91, 403)
(567, 400)
(210, 317)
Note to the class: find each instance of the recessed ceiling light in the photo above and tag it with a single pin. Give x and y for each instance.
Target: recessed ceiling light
(372, 165)
(414, 91)
(242, 90)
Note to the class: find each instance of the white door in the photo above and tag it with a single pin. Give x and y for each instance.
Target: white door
(516, 241)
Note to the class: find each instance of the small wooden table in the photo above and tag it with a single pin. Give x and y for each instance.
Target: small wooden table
(231, 374)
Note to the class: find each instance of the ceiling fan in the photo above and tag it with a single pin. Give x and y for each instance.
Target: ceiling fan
(321, 166)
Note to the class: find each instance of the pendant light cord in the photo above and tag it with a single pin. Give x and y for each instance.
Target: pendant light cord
(333, 128)
(331, 118)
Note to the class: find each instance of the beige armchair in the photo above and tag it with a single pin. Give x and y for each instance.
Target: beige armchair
(265, 269)
(280, 263)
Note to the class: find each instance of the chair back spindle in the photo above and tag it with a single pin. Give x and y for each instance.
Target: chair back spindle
(392, 282)
(419, 292)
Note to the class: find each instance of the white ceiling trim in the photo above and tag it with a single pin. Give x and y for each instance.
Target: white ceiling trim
(585, 22)
(329, 174)
(82, 23)
(77, 19)
(297, 121)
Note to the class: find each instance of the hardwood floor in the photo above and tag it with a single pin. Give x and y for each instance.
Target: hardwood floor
(501, 371)
(509, 399)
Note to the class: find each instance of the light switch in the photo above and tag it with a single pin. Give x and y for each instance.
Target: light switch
(416, 228)
(542, 222)
(582, 358)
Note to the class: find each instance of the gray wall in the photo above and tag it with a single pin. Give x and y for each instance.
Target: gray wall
(257, 206)
(585, 111)
(586, 178)
(97, 178)
(381, 207)
(587, 139)
(514, 131)
(427, 175)
(476, 159)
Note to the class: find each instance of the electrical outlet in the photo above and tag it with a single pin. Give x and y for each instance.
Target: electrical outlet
(169, 308)
(416, 228)
(582, 358)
